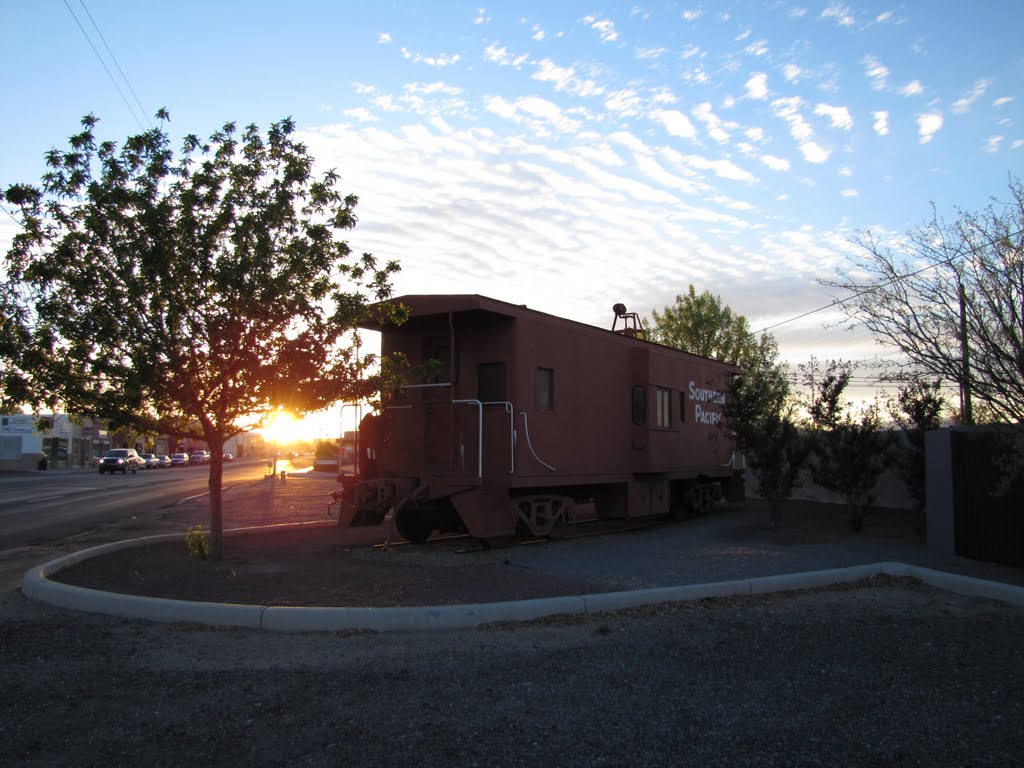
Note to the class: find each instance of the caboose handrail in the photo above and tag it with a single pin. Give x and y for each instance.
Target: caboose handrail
(480, 434)
(529, 443)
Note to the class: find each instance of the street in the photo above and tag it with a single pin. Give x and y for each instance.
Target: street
(46, 507)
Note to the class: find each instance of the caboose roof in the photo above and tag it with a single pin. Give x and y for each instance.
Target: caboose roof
(427, 305)
(424, 304)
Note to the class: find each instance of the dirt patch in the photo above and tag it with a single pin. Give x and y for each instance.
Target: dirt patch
(311, 567)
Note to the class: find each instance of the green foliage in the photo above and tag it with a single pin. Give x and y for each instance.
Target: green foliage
(916, 409)
(701, 324)
(848, 451)
(758, 416)
(187, 295)
(196, 543)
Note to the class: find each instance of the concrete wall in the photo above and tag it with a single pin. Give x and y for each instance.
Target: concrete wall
(940, 509)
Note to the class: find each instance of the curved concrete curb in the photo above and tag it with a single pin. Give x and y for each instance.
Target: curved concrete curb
(37, 586)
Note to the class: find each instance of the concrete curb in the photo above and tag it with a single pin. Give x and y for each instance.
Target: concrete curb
(38, 586)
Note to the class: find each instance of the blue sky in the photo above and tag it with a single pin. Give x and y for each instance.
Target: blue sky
(571, 155)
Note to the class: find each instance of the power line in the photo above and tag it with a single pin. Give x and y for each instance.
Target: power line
(116, 64)
(890, 281)
(105, 67)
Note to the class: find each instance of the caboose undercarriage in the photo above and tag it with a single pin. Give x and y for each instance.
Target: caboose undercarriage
(496, 513)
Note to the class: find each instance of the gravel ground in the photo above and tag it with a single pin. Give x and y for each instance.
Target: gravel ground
(884, 673)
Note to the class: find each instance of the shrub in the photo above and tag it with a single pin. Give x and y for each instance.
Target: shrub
(197, 544)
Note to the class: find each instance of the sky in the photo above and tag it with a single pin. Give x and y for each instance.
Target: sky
(570, 155)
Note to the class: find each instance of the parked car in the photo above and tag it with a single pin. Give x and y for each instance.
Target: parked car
(229, 457)
(179, 459)
(123, 460)
(150, 460)
(163, 461)
(199, 457)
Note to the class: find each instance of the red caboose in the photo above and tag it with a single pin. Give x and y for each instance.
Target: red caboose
(531, 421)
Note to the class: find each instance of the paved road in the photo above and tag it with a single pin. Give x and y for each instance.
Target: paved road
(44, 507)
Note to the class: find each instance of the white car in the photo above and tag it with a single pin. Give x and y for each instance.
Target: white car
(152, 462)
(199, 457)
(179, 459)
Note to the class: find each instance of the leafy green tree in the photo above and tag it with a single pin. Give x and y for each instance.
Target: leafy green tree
(703, 325)
(759, 416)
(848, 450)
(916, 409)
(191, 295)
(758, 413)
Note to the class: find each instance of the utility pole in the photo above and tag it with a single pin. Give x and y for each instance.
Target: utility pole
(965, 364)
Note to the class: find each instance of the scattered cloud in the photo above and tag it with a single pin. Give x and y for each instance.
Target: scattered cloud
(993, 143)
(540, 114)
(692, 15)
(443, 60)
(650, 53)
(881, 124)
(840, 14)
(839, 117)
(361, 114)
(626, 102)
(792, 73)
(604, 28)
(383, 38)
(964, 103)
(696, 76)
(565, 79)
(716, 128)
(499, 54)
(877, 72)
(928, 125)
(481, 16)
(757, 86)
(775, 163)
(789, 110)
(814, 153)
(676, 123)
(758, 48)
(913, 88)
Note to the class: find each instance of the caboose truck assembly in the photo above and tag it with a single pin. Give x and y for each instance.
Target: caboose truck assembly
(531, 422)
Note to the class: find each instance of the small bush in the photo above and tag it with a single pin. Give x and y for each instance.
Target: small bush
(197, 544)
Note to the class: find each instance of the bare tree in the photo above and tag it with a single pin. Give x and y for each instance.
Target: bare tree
(950, 297)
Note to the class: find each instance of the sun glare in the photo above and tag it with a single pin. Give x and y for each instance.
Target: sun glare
(283, 428)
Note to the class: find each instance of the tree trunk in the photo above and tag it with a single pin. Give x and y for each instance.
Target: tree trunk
(216, 503)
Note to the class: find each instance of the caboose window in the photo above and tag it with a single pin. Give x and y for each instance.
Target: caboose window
(437, 353)
(545, 389)
(490, 382)
(639, 405)
(664, 408)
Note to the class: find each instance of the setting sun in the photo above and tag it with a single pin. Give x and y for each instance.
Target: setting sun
(283, 428)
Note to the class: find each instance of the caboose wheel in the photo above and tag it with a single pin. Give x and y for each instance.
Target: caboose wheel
(539, 515)
(412, 527)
